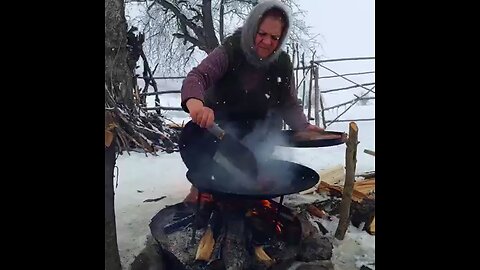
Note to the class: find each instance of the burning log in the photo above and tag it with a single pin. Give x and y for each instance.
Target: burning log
(207, 242)
(205, 247)
(257, 234)
(234, 253)
(216, 257)
(262, 256)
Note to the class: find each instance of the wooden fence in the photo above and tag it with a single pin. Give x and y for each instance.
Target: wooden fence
(308, 84)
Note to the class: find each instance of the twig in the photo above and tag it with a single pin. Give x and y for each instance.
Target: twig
(370, 152)
(155, 200)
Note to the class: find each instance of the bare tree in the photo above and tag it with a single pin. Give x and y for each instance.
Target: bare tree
(118, 84)
(179, 32)
(126, 125)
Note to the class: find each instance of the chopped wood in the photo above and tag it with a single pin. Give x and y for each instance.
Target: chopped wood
(205, 247)
(337, 191)
(371, 228)
(262, 256)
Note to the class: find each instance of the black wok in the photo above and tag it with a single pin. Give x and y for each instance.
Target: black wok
(275, 178)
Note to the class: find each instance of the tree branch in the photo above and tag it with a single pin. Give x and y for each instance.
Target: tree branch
(188, 38)
(181, 17)
(209, 29)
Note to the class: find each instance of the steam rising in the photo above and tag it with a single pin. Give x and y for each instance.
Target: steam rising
(262, 142)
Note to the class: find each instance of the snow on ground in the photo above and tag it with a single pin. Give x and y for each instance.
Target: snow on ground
(355, 250)
(141, 177)
(162, 175)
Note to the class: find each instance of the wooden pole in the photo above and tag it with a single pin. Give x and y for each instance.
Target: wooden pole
(310, 86)
(316, 105)
(320, 99)
(350, 167)
(297, 82)
(304, 81)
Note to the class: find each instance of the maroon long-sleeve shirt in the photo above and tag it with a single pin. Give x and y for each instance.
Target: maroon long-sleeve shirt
(215, 65)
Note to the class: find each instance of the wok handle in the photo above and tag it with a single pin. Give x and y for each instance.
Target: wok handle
(217, 131)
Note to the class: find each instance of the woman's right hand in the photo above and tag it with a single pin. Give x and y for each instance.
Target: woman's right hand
(201, 115)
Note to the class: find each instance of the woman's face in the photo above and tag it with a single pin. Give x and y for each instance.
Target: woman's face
(268, 36)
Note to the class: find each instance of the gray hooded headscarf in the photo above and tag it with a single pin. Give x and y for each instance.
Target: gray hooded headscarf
(250, 28)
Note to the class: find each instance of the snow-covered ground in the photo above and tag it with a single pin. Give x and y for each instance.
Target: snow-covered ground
(141, 177)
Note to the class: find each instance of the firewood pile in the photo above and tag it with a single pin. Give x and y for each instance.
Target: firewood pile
(139, 130)
(363, 197)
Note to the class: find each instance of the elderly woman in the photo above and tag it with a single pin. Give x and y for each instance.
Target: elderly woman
(246, 83)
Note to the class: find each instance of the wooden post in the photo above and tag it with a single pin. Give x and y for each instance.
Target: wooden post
(319, 99)
(310, 87)
(304, 81)
(309, 114)
(350, 167)
(316, 106)
(297, 86)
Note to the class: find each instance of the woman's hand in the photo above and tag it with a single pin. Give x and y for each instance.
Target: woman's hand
(201, 115)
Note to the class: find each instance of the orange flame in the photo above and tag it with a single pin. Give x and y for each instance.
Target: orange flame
(205, 197)
(267, 203)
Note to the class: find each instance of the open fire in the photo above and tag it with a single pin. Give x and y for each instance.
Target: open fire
(226, 233)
